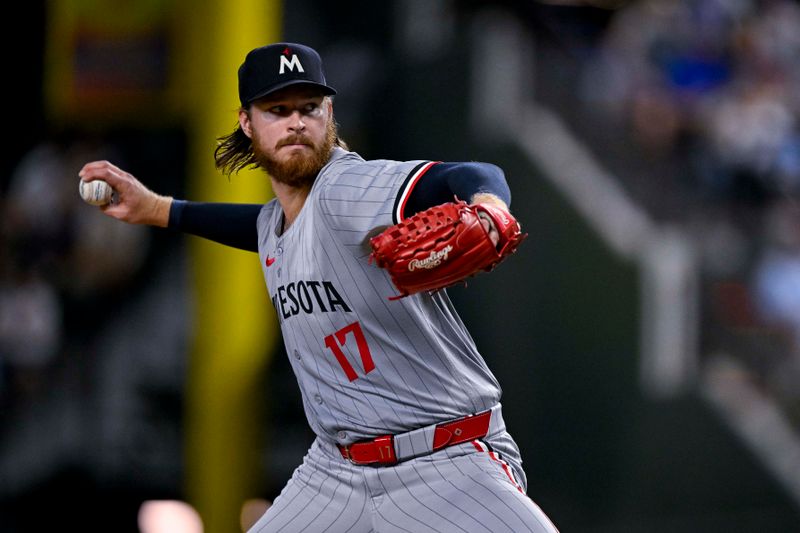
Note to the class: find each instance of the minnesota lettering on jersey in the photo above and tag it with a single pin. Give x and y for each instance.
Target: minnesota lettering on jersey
(308, 297)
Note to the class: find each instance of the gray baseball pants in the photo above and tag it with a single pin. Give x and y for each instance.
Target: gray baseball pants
(477, 486)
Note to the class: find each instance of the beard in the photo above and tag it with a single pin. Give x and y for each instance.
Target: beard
(300, 169)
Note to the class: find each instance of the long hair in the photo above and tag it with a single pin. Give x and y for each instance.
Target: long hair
(234, 151)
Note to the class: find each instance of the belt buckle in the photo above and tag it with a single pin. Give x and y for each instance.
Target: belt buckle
(385, 445)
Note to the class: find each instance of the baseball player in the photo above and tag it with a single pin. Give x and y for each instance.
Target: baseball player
(407, 415)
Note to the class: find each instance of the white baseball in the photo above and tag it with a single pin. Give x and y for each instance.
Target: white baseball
(96, 192)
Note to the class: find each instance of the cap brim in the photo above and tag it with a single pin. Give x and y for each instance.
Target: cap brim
(328, 91)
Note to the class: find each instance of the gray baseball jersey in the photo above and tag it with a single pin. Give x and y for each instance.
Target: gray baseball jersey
(368, 367)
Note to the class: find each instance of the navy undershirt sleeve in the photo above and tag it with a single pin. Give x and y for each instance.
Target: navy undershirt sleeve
(444, 181)
(230, 224)
(235, 224)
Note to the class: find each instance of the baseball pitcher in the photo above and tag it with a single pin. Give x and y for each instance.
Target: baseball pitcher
(356, 254)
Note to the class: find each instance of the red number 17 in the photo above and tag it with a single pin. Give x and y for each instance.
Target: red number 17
(338, 339)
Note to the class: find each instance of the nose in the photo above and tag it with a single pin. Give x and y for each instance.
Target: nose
(296, 123)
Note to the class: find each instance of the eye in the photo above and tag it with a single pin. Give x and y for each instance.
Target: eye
(310, 108)
(277, 110)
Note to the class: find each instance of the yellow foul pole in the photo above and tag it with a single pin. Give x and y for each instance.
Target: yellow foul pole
(234, 327)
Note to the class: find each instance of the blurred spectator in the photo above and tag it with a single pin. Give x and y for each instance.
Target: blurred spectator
(745, 132)
(57, 254)
(30, 329)
(776, 291)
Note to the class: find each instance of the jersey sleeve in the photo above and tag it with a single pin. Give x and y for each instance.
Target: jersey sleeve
(443, 182)
(361, 198)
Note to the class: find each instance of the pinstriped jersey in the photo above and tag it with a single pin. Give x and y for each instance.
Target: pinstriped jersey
(366, 366)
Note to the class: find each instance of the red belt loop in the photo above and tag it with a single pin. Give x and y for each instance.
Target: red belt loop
(462, 430)
(380, 450)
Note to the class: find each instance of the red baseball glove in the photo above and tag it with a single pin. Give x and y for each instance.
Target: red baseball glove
(444, 245)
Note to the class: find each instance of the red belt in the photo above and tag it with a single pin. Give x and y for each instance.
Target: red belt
(380, 450)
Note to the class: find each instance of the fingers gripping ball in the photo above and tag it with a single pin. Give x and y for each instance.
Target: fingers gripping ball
(96, 192)
(443, 246)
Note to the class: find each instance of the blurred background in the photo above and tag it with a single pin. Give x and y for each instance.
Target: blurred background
(647, 335)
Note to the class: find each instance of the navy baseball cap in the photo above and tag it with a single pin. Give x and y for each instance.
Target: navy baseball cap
(275, 66)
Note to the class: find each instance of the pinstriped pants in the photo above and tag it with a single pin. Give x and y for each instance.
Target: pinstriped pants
(476, 486)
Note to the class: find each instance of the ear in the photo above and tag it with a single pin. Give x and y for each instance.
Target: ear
(244, 122)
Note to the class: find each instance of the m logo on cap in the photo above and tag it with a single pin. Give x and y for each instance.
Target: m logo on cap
(294, 62)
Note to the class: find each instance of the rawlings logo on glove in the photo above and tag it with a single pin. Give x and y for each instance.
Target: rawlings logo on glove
(432, 261)
(444, 245)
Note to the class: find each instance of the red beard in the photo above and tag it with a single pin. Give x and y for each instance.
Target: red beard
(301, 168)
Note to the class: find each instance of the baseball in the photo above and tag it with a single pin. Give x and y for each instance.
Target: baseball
(96, 192)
